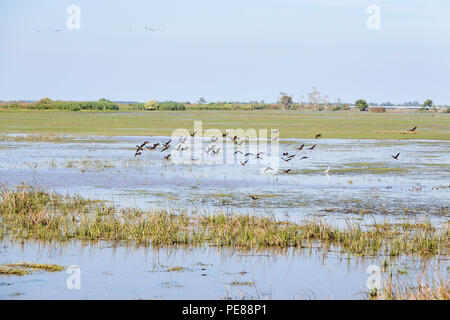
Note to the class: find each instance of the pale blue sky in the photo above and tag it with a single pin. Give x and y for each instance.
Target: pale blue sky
(225, 50)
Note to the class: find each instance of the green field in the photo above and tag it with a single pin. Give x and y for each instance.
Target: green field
(292, 124)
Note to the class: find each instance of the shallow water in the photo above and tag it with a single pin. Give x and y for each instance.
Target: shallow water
(109, 272)
(363, 177)
(364, 184)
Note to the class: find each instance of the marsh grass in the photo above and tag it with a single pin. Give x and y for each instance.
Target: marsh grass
(32, 213)
(396, 289)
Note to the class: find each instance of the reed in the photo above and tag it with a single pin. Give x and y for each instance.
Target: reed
(32, 213)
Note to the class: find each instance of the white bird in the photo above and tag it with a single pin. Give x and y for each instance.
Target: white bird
(328, 170)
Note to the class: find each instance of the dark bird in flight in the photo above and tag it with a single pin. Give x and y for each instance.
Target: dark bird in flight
(286, 171)
(224, 135)
(243, 163)
(138, 153)
(216, 151)
(239, 143)
(413, 129)
(153, 147)
(312, 148)
(193, 134)
(166, 143)
(238, 152)
(140, 147)
(247, 154)
(254, 198)
(210, 148)
(258, 157)
(396, 156)
(318, 136)
(301, 147)
(267, 169)
(303, 158)
(214, 139)
(167, 157)
(165, 148)
(287, 159)
(285, 153)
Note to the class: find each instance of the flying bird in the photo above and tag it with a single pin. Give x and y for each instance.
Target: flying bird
(254, 198)
(243, 163)
(165, 148)
(312, 148)
(396, 156)
(286, 171)
(167, 157)
(301, 147)
(303, 158)
(413, 129)
(318, 136)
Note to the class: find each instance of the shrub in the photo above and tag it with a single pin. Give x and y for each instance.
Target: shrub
(377, 109)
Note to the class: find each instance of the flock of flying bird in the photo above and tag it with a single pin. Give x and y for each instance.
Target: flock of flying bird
(238, 141)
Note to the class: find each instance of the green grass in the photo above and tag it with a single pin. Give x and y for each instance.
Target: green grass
(293, 124)
(36, 214)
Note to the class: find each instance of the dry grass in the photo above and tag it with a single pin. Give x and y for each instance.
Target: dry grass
(395, 289)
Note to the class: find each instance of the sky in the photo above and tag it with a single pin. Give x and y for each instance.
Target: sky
(233, 50)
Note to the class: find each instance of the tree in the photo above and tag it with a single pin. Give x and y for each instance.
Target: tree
(314, 98)
(427, 104)
(45, 101)
(151, 105)
(201, 100)
(285, 101)
(361, 104)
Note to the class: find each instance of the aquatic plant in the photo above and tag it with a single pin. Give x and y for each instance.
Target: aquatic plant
(32, 213)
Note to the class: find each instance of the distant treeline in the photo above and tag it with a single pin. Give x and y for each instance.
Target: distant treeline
(171, 105)
(47, 104)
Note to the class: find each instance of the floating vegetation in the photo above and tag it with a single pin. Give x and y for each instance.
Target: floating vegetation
(37, 266)
(175, 269)
(9, 271)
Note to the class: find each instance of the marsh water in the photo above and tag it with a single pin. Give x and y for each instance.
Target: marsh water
(364, 183)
